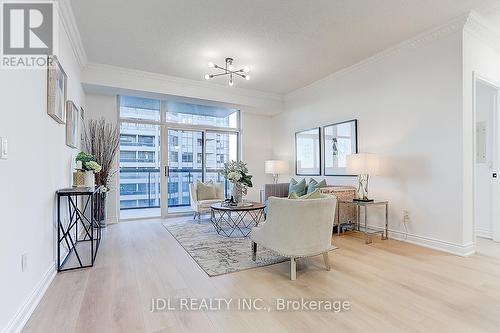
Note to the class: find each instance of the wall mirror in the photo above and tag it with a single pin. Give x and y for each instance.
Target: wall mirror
(308, 152)
(339, 140)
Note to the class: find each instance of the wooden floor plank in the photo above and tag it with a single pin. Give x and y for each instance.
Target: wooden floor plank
(392, 286)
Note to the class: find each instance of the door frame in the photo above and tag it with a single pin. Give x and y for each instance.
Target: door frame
(477, 78)
(164, 127)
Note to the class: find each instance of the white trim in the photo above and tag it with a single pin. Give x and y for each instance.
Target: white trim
(484, 233)
(422, 39)
(22, 316)
(188, 84)
(432, 243)
(477, 26)
(69, 23)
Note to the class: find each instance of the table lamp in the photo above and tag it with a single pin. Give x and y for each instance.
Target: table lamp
(363, 165)
(275, 168)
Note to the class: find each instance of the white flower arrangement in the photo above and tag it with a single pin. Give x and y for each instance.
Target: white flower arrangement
(93, 166)
(234, 176)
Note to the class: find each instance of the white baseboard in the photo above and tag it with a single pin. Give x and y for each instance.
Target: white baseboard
(17, 323)
(435, 244)
(483, 233)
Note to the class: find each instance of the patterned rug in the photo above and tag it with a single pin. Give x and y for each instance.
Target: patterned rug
(217, 254)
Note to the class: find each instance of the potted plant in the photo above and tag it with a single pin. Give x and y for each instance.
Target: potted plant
(237, 174)
(101, 140)
(86, 164)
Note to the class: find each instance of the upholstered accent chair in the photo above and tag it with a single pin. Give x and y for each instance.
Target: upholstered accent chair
(203, 206)
(297, 228)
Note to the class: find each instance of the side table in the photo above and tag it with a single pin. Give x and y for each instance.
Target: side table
(79, 230)
(366, 229)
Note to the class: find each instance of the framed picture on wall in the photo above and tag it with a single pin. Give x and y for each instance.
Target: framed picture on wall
(72, 120)
(339, 140)
(56, 90)
(308, 152)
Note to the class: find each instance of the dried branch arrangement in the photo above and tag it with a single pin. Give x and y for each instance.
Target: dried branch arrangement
(102, 140)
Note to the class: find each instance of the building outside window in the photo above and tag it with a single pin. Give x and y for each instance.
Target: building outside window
(193, 155)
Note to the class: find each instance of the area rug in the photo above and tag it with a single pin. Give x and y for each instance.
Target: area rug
(217, 254)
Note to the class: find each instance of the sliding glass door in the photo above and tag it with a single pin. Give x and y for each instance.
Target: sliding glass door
(165, 146)
(185, 166)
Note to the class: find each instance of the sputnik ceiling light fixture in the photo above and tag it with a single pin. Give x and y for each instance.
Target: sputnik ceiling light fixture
(228, 69)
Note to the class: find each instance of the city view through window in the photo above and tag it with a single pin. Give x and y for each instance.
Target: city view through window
(196, 153)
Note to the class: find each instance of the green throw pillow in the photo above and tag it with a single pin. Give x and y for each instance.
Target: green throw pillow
(313, 195)
(314, 185)
(298, 187)
(293, 195)
(206, 191)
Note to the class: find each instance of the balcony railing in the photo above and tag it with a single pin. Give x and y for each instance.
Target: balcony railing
(140, 188)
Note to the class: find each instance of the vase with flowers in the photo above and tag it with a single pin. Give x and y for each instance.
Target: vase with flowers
(236, 172)
(86, 169)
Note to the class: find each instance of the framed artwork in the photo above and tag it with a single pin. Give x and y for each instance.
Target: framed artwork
(72, 120)
(56, 90)
(339, 140)
(308, 152)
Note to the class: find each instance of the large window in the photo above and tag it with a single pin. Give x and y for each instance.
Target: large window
(204, 115)
(198, 140)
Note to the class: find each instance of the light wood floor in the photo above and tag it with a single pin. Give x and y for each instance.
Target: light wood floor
(392, 286)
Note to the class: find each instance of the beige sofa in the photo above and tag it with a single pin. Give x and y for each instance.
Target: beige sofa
(346, 214)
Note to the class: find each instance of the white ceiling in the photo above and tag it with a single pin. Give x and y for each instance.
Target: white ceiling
(287, 43)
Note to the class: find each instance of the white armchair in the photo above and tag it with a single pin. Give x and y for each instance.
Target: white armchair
(297, 228)
(203, 206)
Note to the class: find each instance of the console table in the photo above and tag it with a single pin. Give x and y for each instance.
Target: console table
(78, 230)
(367, 230)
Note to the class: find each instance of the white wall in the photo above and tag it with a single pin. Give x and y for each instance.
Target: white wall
(256, 148)
(408, 103)
(481, 58)
(39, 163)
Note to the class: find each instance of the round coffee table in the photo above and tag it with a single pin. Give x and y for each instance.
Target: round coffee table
(228, 219)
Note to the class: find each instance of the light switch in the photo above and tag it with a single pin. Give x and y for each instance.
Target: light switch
(4, 148)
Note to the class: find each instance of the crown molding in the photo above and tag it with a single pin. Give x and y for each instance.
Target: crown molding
(114, 71)
(69, 23)
(431, 35)
(480, 28)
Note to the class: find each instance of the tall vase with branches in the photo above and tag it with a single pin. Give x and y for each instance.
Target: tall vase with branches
(102, 139)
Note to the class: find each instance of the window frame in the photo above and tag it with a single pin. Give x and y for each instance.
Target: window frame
(164, 127)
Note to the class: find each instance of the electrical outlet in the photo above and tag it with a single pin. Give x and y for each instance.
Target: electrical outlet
(406, 216)
(24, 262)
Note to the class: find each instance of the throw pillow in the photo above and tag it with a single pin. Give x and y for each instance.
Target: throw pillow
(206, 191)
(313, 195)
(298, 187)
(313, 185)
(293, 195)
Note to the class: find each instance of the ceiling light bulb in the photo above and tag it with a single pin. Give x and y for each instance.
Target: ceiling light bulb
(231, 83)
(207, 77)
(211, 64)
(247, 77)
(246, 69)
(230, 67)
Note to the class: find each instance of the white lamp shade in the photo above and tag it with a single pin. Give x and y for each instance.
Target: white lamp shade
(276, 167)
(363, 164)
